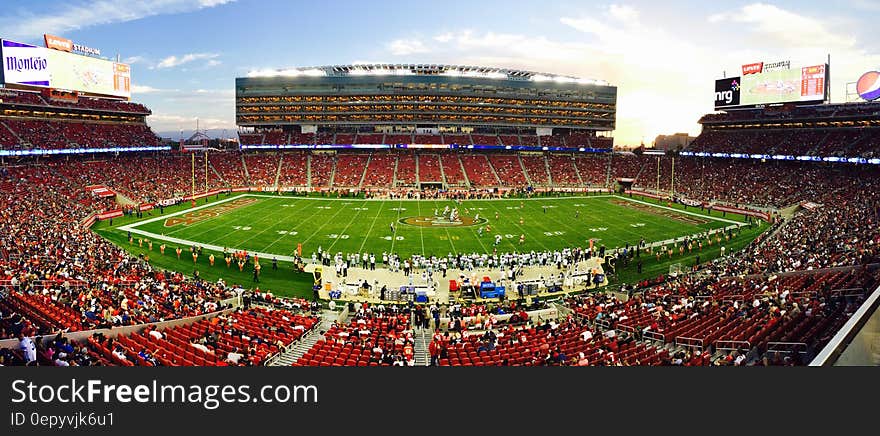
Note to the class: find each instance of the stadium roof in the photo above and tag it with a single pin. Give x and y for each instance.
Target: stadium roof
(423, 70)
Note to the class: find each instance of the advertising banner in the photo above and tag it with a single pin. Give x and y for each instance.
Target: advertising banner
(727, 92)
(109, 214)
(87, 74)
(25, 64)
(772, 83)
(784, 86)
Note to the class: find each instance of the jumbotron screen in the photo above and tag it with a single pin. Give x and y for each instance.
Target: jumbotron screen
(784, 86)
(29, 65)
(759, 85)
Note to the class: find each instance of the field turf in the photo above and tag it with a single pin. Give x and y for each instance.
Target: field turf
(272, 224)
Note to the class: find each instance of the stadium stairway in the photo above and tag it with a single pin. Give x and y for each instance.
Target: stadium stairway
(463, 170)
(549, 173)
(577, 172)
(418, 181)
(608, 171)
(819, 144)
(14, 134)
(364, 173)
(442, 173)
(309, 170)
(292, 354)
(216, 173)
(421, 337)
(866, 136)
(522, 167)
(278, 173)
(247, 175)
(494, 173)
(332, 173)
(641, 170)
(394, 173)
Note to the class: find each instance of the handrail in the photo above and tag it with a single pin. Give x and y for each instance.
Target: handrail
(654, 336)
(731, 345)
(787, 347)
(271, 359)
(732, 298)
(840, 340)
(853, 292)
(689, 342)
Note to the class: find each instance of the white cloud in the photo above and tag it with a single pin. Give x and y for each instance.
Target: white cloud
(444, 37)
(623, 13)
(174, 61)
(664, 76)
(144, 89)
(868, 5)
(774, 26)
(131, 60)
(405, 47)
(75, 15)
(779, 34)
(212, 3)
(169, 121)
(227, 92)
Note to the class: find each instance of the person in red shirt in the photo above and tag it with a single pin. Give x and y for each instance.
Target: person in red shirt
(409, 354)
(434, 351)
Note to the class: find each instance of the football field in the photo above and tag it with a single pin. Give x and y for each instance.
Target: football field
(276, 225)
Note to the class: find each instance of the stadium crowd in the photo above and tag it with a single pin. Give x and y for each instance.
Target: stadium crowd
(57, 277)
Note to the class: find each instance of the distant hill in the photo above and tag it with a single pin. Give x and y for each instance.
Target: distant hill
(175, 135)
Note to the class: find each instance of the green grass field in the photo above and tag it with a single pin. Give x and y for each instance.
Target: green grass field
(274, 225)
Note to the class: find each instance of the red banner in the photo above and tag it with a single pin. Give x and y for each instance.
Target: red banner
(201, 195)
(762, 215)
(647, 194)
(756, 68)
(58, 43)
(109, 214)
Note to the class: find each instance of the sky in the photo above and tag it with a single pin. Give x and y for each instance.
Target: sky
(662, 56)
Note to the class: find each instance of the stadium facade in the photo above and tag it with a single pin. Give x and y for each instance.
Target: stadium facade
(423, 99)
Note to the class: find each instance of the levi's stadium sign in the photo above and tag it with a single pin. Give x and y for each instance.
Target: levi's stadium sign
(64, 44)
(761, 67)
(755, 68)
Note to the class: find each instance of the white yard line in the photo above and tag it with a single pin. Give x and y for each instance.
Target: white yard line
(279, 211)
(284, 236)
(323, 225)
(133, 227)
(130, 227)
(449, 236)
(581, 197)
(686, 212)
(367, 236)
(339, 235)
(421, 230)
(397, 222)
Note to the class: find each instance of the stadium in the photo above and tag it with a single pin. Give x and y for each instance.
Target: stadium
(432, 214)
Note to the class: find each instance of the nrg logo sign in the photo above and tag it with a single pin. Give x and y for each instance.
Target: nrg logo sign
(727, 92)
